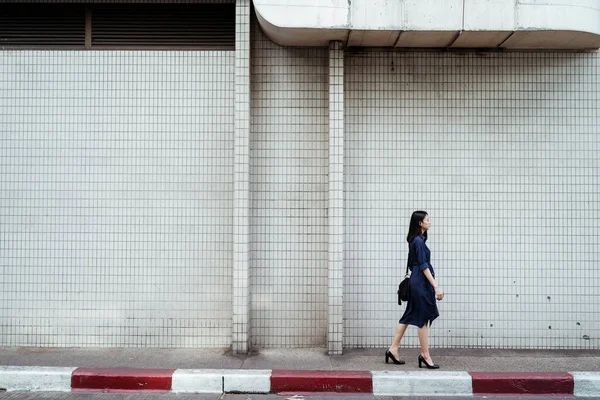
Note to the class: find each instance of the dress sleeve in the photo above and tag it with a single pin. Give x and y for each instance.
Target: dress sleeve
(420, 255)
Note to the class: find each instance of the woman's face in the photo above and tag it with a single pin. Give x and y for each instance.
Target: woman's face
(425, 224)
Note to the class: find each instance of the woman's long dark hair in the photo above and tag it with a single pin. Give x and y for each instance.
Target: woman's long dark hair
(414, 229)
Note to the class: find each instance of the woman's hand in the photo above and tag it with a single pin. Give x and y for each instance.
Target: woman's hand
(439, 293)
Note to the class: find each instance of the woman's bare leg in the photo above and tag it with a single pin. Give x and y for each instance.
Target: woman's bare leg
(400, 329)
(424, 342)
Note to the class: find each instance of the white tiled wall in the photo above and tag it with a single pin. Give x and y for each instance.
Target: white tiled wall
(335, 212)
(116, 198)
(503, 151)
(289, 183)
(241, 216)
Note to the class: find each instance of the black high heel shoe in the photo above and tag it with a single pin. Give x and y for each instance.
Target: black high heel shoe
(388, 355)
(422, 360)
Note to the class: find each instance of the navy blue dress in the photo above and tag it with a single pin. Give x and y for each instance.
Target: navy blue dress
(421, 307)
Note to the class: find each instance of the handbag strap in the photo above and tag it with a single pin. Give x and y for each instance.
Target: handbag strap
(406, 273)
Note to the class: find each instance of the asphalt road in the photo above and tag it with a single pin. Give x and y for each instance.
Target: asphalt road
(187, 396)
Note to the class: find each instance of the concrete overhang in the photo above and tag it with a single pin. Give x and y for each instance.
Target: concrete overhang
(508, 24)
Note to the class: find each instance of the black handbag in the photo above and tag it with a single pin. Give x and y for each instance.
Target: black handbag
(403, 287)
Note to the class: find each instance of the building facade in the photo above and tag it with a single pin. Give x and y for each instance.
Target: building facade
(255, 190)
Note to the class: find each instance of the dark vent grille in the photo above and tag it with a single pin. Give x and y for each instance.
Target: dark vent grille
(38, 25)
(191, 26)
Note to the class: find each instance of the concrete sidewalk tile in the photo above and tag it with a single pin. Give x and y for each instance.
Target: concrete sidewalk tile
(198, 381)
(247, 381)
(321, 381)
(587, 384)
(55, 379)
(107, 379)
(559, 383)
(426, 383)
(283, 358)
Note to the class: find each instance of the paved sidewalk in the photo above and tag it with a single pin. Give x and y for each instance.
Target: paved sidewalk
(463, 372)
(476, 360)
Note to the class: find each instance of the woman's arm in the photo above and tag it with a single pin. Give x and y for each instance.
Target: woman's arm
(439, 294)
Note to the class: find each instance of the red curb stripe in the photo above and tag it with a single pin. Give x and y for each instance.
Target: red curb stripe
(121, 379)
(321, 381)
(522, 383)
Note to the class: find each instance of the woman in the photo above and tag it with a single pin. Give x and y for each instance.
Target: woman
(423, 290)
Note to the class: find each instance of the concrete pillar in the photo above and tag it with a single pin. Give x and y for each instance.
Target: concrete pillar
(336, 198)
(241, 202)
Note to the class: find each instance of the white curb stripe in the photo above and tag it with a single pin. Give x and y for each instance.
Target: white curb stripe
(587, 384)
(221, 380)
(37, 379)
(247, 381)
(197, 381)
(412, 383)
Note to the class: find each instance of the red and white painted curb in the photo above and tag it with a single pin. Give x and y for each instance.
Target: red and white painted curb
(379, 383)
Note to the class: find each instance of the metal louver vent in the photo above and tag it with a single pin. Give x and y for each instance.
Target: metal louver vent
(37, 25)
(159, 25)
